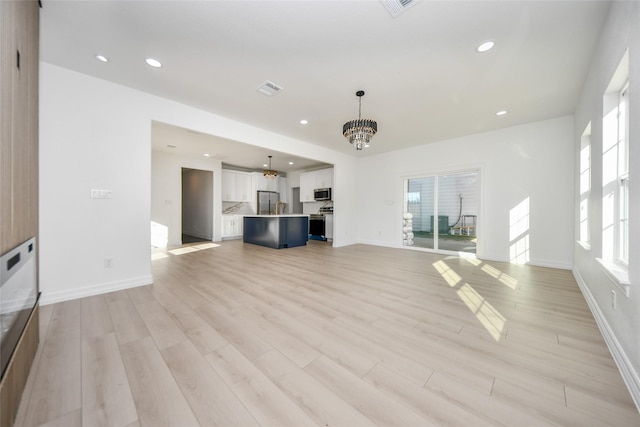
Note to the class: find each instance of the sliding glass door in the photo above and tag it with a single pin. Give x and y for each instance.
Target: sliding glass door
(441, 212)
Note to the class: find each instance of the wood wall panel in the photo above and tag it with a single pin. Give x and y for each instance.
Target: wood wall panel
(19, 32)
(7, 41)
(18, 370)
(33, 112)
(19, 122)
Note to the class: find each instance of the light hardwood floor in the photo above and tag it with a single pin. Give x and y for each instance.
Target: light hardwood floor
(240, 335)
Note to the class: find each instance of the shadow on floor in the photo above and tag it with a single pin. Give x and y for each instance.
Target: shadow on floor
(186, 238)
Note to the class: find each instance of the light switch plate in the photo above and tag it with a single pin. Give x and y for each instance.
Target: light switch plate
(101, 194)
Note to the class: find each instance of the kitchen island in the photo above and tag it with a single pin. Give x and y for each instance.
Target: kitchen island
(276, 231)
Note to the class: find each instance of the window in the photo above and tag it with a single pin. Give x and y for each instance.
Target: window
(585, 187)
(615, 179)
(615, 176)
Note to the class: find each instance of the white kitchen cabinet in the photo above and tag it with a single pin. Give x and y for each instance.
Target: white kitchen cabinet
(328, 226)
(307, 185)
(228, 186)
(324, 178)
(232, 226)
(244, 187)
(264, 184)
(309, 181)
(236, 186)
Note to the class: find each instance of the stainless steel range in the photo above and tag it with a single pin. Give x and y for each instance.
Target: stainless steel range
(317, 223)
(317, 227)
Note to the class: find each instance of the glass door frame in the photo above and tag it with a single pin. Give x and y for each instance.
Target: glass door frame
(477, 169)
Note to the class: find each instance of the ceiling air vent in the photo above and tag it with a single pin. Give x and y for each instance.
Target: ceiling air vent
(396, 7)
(269, 88)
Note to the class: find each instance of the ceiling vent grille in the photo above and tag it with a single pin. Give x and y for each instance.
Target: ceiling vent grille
(269, 88)
(396, 7)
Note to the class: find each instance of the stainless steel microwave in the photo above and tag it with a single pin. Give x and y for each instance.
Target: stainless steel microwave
(322, 194)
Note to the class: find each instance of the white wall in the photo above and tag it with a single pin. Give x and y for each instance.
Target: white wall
(166, 194)
(620, 326)
(96, 134)
(533, 161)
(92, 136)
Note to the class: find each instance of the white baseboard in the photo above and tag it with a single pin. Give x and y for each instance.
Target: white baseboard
(551, 264)
(341, 243)
(534, 263)
(629, 374)
(103, 288)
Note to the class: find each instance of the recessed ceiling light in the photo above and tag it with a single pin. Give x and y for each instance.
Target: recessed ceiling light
(290, 163)
(153, 62)
(207, 155)
(102, 58)
(488, 45)
(304, 122)
(501, 113)
(265, 165)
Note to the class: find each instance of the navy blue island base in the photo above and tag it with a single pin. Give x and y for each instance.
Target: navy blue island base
(276, 231)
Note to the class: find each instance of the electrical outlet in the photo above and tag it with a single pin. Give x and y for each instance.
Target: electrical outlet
(614, 301)
(108, 262)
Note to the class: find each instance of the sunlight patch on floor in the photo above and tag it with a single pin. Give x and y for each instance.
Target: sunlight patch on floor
(194, 248)
(158, 255)
(447, 273)
(504, 278)
(165, 253)
(487, 314)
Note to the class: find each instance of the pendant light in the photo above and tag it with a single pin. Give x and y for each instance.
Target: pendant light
(270, 174)
(359, 132)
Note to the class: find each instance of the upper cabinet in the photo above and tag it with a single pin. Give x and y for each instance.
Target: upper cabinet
(236, 186)
(324, 178)
(264, 184)
(244, 187)
(309, 181)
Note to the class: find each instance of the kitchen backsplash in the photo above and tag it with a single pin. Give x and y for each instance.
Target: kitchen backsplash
(314, 207)
(241, 208)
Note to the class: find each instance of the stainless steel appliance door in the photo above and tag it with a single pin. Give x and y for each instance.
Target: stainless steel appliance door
(317, 227)
(18, 295)
(273, 201)
(320, 194)
(263, 202)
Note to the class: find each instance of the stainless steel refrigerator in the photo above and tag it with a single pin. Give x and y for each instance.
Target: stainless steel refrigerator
(267, 202)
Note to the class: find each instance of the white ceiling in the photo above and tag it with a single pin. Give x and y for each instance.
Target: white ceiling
(188, 143)
(423, 79)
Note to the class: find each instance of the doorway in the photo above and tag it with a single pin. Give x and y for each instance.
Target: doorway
(197, 205)
(296, 204)
(441, 212)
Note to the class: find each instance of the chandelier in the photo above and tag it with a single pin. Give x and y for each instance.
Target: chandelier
(270, 174)
(359, 132)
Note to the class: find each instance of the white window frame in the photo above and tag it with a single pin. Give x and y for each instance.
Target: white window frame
(584, 189)
(622, 214)
(436, 175)
(615, 179)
